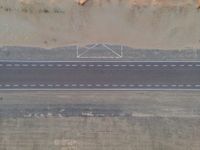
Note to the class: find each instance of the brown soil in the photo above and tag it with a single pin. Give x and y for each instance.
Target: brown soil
(163, 24)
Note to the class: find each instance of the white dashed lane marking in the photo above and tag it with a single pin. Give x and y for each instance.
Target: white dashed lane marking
(173, 65)
(59, 65)
(9, 65)
(33, 65)
(102, 85)
(132, 65)
(42, 65)
(140, 65)
(157, 85)
(107, 65)
(148, 65)
(95, 65)
(173, 85)
(106, 85)
(17, 65)
(50, 65)
(15, 85)
(74, 65)
(32, 85)
(25, 65)
(117, 65)
(7, 85)
(181, 85)
(124, 65)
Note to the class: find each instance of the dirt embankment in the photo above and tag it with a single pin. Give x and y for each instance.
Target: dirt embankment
(163, 24)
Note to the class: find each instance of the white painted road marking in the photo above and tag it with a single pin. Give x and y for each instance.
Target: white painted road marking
(173, 65)
(117, 86)
(59, 65)
(140, 65)
(9, 65)
(25, 65)
(165, 65)
(33, 85)
(15, 85)
(50, 65)
(97, 65)
(42, 65)
(104, 66)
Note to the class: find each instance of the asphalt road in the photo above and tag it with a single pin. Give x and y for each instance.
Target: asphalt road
(99, 75)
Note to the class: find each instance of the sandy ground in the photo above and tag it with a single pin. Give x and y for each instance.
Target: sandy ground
(135, 103)
(158, 120)
(163, 24)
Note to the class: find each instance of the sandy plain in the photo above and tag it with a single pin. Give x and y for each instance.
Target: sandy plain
(146, 24)
(156, 120)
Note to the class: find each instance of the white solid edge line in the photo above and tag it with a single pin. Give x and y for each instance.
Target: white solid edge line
(93, 61)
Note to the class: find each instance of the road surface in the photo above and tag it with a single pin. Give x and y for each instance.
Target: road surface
(23, 75)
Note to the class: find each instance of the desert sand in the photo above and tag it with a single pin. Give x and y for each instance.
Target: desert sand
(151, 24)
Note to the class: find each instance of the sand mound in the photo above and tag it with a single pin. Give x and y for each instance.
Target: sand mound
(164, 24)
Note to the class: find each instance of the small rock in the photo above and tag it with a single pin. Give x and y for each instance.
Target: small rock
(82, 2)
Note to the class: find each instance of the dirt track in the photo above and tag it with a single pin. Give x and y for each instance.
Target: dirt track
(140, 24)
